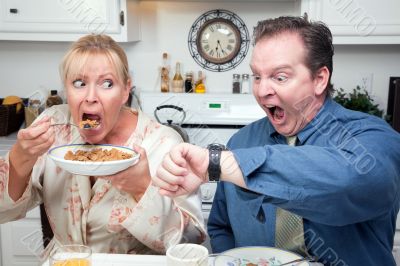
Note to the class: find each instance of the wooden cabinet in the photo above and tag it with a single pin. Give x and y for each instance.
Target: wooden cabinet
(22, 241)
(357, 22)
(67, 20)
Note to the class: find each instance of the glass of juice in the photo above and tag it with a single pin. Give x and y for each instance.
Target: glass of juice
(71, 255)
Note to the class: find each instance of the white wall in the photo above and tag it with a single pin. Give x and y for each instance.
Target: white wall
(352, 63)
(28, 66)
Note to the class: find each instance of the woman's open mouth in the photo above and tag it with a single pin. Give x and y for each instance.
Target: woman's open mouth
(90, 121)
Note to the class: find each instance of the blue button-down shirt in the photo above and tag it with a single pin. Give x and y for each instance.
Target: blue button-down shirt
(343, 179)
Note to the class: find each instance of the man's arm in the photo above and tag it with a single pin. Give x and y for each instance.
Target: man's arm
(230, 169)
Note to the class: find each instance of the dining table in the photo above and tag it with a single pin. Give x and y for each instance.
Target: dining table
(104, 259)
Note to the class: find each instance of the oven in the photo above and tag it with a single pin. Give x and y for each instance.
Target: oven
(209, 118)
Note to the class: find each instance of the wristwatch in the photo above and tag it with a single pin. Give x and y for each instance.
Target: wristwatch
(214, 167)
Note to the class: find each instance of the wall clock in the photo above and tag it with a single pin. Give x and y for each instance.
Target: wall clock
(218, 40)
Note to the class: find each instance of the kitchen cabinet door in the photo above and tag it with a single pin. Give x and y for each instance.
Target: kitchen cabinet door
(67, 20)
(22, 241)
(357, 21)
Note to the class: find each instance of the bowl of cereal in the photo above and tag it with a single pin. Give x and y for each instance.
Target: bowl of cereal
(93, 160)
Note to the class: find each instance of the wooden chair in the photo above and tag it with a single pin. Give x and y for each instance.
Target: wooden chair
(46, 228)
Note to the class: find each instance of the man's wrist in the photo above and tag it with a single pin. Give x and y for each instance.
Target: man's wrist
(214, 159)
(230, 169)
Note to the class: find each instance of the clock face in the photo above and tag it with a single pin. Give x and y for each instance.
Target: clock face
(218, 41)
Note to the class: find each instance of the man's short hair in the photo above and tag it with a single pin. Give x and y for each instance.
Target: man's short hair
(316, 36)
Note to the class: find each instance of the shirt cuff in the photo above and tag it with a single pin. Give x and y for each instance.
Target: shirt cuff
(249, 160)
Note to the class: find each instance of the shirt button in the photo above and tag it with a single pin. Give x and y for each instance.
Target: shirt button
(261, 217)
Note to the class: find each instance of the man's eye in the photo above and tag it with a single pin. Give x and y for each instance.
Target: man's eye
(256, 78)
(107, 84)
(78, 83)
(280, 78)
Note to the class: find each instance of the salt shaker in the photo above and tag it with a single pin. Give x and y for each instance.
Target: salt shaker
(245, 84)
(236, 83)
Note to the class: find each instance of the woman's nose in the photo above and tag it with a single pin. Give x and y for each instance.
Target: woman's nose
(91, 95)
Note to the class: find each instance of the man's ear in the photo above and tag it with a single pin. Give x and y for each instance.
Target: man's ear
(321, 81)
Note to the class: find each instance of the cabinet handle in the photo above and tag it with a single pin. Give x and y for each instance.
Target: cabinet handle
(122, 18)
(13, 10)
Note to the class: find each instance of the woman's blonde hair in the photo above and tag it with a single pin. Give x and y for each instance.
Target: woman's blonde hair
(75, 59)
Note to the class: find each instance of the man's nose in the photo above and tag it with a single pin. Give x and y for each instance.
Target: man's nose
(265, 88)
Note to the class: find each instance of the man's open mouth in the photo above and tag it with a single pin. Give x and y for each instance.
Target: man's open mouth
(276, 112)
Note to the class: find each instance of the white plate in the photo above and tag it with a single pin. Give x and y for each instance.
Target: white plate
(91, 168)
(257, 255)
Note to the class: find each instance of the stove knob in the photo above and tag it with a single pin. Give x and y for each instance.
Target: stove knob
(206, 193)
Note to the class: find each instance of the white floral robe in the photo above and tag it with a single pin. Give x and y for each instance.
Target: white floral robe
(103, 217)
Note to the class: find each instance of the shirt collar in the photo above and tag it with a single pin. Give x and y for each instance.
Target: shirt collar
(310, 128)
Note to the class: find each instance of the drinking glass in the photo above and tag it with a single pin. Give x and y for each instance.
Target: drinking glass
(187, 255)
(71, 255)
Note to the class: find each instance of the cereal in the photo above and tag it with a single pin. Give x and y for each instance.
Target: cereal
(97, 155)
(88, 123)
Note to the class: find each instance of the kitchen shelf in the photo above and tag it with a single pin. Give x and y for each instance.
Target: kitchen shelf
(235, 1)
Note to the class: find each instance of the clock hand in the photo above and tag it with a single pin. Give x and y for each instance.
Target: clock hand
(222, 50)
(216, 49)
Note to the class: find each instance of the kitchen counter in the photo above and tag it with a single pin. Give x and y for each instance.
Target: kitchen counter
(6, 142)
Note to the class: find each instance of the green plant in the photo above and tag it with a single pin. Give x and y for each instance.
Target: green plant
(358, 100)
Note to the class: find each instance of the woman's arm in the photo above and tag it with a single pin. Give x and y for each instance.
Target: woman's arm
(31, 143)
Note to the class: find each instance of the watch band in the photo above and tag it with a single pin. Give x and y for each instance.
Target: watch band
(214, 167)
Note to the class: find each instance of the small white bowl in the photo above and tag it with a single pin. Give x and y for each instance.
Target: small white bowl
(91, 168)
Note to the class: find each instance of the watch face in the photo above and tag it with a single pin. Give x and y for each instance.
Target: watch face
(216, 146)
(218, 41)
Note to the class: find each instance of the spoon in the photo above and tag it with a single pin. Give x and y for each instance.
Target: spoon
(308, 259)
(240, 260)
(85, 126)
(64, 124)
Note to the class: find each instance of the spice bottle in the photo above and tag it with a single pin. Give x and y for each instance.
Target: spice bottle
(200, 87)
(189, 82)
(165, 74)
(32, 111)
(236, 83)
(245, 83)
(177, 81)
(53, 99)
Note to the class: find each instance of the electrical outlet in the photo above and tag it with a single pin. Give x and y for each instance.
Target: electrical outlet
(366, 82)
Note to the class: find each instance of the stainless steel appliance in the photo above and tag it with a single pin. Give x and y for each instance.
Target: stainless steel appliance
(210, 118)
(393, 106)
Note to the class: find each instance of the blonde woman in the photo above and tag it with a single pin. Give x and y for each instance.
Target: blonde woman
(123, 213)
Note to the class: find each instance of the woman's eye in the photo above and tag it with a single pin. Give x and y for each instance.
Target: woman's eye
(78, 83)
(107, 84)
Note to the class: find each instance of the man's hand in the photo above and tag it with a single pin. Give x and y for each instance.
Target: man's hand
(182, 171)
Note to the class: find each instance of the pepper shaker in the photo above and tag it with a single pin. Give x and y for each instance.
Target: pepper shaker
(236, 83)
